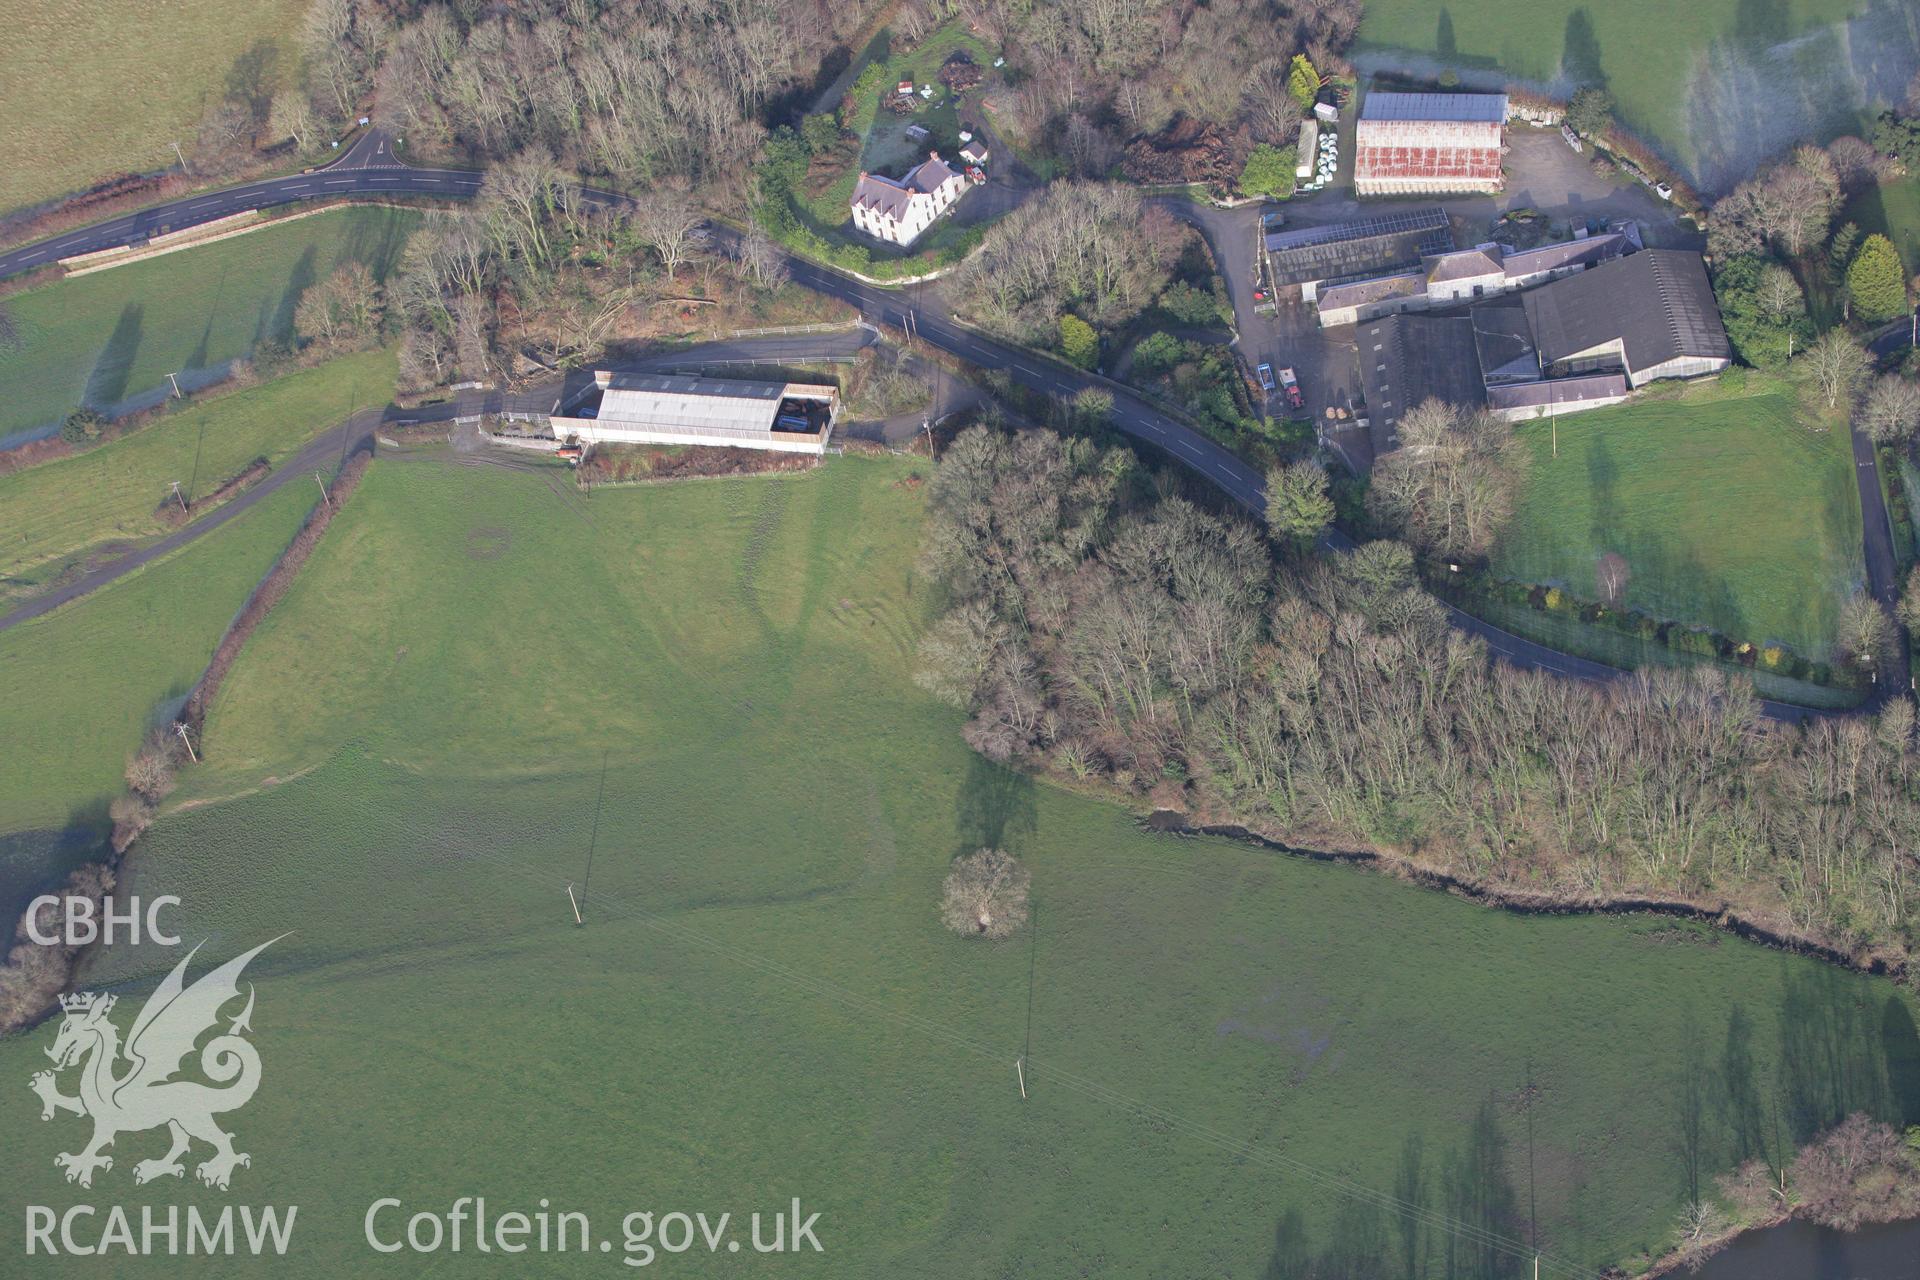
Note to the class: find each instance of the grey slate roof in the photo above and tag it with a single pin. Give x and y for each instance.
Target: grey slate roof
(1366, 246)
(1406, 360)
(1480, 108)
(1377, 289)
(890, 197)
(1505, 343)
(1658, 302)
(1554, 257)
(1465, 264)
(1558, 392)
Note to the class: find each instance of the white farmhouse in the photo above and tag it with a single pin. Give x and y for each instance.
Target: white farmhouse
(898, 210)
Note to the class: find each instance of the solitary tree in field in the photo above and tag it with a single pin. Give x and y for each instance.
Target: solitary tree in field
(1877, 281)
(1298, 508)
(985, 894)
(1837, 364)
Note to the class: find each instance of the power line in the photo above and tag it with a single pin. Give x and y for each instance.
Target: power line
(594, 839)
(1433, 1219)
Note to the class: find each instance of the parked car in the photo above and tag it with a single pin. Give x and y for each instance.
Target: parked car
(1292, 385)
(1266, 377)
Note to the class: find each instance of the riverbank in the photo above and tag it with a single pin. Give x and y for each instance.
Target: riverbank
(1507, 897)
(1861, 1177)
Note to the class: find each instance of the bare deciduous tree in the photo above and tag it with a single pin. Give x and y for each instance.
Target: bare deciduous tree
(1837, 364)
(1865, 637)
(291, 116)
(761, 260)
(1890, 412)
(1611, 575)
(1449, 487)
(1779, 295)
(669, 223)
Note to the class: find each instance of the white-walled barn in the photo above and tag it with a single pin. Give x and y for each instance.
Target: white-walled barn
(787, 417)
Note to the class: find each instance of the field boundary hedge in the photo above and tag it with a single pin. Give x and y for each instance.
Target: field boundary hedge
(272, 589)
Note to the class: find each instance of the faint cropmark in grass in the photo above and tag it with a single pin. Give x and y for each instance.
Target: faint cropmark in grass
(488, 542)
(773, 511)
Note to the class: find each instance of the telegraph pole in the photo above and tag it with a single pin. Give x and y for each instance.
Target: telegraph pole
(177, 498)
(180, 727)
(181, 158)
(324, 495)
(177, 394)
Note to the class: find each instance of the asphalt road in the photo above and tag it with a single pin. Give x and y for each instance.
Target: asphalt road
(370, 168)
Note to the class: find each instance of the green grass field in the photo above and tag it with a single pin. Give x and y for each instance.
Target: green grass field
(406, 771)
(84, 682)
(1728, 511)
(59, 511)
(105, 86)
(101, 338)
(1703, 90)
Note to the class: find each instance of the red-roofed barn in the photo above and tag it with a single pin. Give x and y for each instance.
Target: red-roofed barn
(1421, 143)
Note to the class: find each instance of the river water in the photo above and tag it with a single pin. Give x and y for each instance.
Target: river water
(1802, 1251)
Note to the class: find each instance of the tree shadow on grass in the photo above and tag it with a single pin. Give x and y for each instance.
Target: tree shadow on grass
(1580, 51)
(107, 381)
(276, 319)
(203, 350)
(1741, 1114)
(995, 806)
(1900, 1047)
(251, 78)
(1832, 1052)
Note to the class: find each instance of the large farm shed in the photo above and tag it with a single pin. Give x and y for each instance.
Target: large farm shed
(789, 417)
(1649, 315)
(1423, 143)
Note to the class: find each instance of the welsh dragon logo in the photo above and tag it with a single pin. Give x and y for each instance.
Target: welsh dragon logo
(135, 1087)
